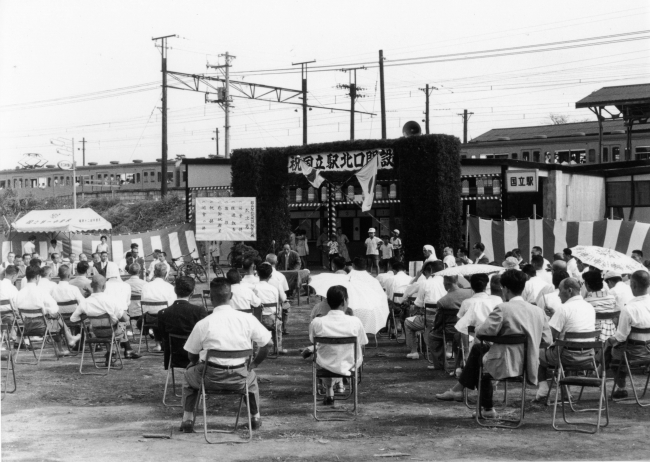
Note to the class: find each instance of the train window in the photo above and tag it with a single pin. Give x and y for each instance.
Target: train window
(43, 182)
(515, 156)
(20, 183)
(67, 181)
(642, 152)
(525, 156)
(562, 157)
(2, 184)
(185, 172)
(605, 154)
(592, 156)
(536, 156)
(616, 154)
(170, 177)
(146, 177)
(159, 177)
(49, 182)
(137, 178)
(578, 156)
(501, 156)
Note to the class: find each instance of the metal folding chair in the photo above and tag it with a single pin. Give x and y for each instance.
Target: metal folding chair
(149, 321)
(5, 303)
(28, 317)
(274, 332)
(101, 326)
(519, 339)
(216, 354)
(470, 331)
(133, 319)
(8, 355)
(447, 313)
(174, 362)
(205, 298)
(635, 364)
(564, 381)
(421, 335)
(66, 309)
(393, 321)
(318, 373)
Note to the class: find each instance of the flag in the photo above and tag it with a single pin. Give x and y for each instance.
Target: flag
(367, 177)
(312, 174)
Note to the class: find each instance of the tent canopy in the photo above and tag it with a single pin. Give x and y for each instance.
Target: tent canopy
(66, 221)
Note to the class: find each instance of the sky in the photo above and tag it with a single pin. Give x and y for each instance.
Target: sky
(90, 70)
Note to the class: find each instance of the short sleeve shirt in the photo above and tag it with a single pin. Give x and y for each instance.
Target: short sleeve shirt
(574, 315)
(372, 246)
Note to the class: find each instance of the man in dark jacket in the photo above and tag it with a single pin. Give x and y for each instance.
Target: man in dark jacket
(288, 259)
(179, 319)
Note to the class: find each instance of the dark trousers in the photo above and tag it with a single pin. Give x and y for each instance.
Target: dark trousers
(437, 346)
(470, 375)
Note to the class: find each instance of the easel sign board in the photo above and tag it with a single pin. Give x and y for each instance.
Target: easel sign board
(226, 219)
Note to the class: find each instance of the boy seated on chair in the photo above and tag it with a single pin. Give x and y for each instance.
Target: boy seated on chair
(226, 329)
(267, 293)
(338, 359)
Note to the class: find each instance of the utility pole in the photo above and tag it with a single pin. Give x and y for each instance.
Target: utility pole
(382, 95)
(353, 94)
(227, 103)
(217, 139)
(83, 151)
(163, 54)
(303, 73)
(427, 92)
(74, 179)
(465, 115)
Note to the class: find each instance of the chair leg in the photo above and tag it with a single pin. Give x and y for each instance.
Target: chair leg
(634, 391)
(205, 418)
(170, 372)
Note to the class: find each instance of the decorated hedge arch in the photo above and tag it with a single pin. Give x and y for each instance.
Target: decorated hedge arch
(427, 169)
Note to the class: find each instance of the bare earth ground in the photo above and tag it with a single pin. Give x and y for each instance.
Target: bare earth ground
(58, 414)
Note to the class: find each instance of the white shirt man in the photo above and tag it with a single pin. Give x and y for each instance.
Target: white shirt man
(279, 280)
(534, 286)
(398, 285)
(574, 315)
(338, 358)
(9, 292)
(385, 280)
(152, 267)
(364, 276)
(66, 292)
(158, 290)
(136, 285)
(572, 268)
(46, 284)
(243, 297)
(29, 247)
(117, 288)
(97, 304)
(475, 310)
(432, 290)
(636, 313)
(267, 293)
(33, 296)
(11, 260)
(549, 301)
(250, 280)
(545, 276)
(623, 294)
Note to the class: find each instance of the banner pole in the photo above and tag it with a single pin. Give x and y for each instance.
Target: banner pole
(467, 227)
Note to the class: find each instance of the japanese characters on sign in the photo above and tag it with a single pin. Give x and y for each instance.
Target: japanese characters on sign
(226, 219)
(521, 181)
(342, 161)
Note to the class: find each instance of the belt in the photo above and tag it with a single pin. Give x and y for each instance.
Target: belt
(582, 350)
(638, 342)
(227, 368)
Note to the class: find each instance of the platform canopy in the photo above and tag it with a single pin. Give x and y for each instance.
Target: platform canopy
(64, 221)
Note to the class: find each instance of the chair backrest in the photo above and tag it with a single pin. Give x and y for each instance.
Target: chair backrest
(448, 312)
(146, 303)
(602, 315)
(270, 305)
(572, 336)
(31, 312)
(4, 302)
(572, 340)
(102, 321)
(257, 312)
(431, 306)
(336, 341)
(411, 299)
(517, 339)
(136, 298)
(206, 293)
(176, 343)
(397, 295)
(639, 334)
(64, 307)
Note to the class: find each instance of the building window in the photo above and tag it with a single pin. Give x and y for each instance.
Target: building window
(642, 152)
(67, 181)
(525, 155)
(170, 177)
(145, 175)
(185, 176)
(536, 156)
(642, 193)
(515, 156)
(592, 156)
(616, 154)
(605, 154)
(137, 178)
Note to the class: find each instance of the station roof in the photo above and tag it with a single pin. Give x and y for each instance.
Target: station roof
(623, 95)
(549, 131)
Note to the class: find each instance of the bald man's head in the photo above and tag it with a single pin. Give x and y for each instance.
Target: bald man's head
(559, 265)
(98, 283)
(569, 287)
(639, 283)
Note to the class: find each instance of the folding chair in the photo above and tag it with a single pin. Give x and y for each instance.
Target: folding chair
(13, 312)
(519, 339)
(8, 355)
(447, 313)
(66, 309)
(393, 320)
(174, 362)
(420, 335)
(324, 373)
(248, 354)
(274, 332)
(205, 297)
(135, 298)
(28, 317)
(149, 321)
(564, 381)
(101, 325)
(470, 331)
(636, 364)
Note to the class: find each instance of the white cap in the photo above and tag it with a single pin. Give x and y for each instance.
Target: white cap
(372, 230)
(611, 274)
(396, 231)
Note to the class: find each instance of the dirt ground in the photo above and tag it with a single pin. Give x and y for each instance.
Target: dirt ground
(57, 414)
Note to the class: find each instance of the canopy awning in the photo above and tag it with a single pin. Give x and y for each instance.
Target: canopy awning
(66, 221)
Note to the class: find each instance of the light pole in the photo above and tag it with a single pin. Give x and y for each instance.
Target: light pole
(68, 150)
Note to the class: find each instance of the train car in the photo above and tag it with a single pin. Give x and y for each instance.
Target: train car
(572, 143)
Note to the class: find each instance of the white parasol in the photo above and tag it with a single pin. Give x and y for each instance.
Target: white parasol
(468, 270)
(606, 259)
(366, 298)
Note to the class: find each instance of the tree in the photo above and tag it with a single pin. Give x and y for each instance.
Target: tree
(558, 119)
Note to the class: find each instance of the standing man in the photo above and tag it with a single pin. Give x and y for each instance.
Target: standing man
(11, 257)
(397, 245)
(571, 264)
(30, 245)
(321, 243)
(226, 330)
(373, 245)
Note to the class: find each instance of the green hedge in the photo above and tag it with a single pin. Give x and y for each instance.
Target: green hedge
(427, 167)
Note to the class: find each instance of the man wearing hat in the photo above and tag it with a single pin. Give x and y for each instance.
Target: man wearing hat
(373, 244)
(620, 290)
(396, 242)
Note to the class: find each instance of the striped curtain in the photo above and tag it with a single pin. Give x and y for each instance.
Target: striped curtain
(553, 236)
(175, 241)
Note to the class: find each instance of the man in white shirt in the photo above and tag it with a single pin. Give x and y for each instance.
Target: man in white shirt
(30, 245)
(386, 279)
(66, 292)
(475, 310)
(72, 264)
(8, 292)
(157, 290)
(267, 294)
(243, 298)
(249, 278)
(159, 258)
(636, 313)
(534, 285)
(10, 261)
(637, 255)
(338, 359)
(55, 264)
(279, 281)
(100, 303)
(540, 269)
(359, 273)
(571, 264)
(30, 297)
(549, 298)
(574, 315)
(225, 329)
(431, 290)
(116, 288)
(398, 283)
(80, 281)
(100, 267)
(46, 279)
(136, 285)
(448, 257)
(620, 290)
(537, 250)
(373, 244)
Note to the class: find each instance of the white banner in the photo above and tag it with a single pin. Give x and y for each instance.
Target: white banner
(342, 161)
(226, 219)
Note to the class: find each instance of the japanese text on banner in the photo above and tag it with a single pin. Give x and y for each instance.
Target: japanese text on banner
(226, 219)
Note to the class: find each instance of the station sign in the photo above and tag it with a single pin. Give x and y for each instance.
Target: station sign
(522, 181)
